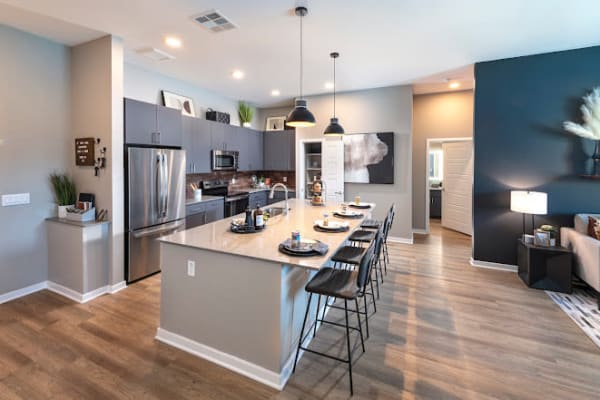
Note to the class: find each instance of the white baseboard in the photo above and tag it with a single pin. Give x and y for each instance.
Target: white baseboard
(243, 367)
(421, 231)
(395, 239)
(117, 287)
(15, 294)
(493, 265)
(76, 296)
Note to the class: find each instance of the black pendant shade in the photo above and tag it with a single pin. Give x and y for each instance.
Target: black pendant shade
(334, 128)
(300, 116)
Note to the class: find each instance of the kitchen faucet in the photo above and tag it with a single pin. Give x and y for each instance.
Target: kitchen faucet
(285, 211)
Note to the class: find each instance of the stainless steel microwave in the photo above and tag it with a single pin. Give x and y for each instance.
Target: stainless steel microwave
(224, 160)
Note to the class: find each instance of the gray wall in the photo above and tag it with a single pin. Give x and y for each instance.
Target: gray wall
(375, 110)
(35, 140)
(144, 85)
(439, 115)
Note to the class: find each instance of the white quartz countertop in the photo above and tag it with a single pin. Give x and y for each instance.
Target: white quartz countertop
(264, 245)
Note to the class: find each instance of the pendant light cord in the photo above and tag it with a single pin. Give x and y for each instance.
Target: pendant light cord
(333, 87)
(301, 59)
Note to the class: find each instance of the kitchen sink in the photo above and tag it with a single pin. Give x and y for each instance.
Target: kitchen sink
(275, 211)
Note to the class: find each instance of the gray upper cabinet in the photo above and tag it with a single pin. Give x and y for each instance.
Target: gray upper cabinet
(280, 150)
(197, 143)
(151, 124)
(251, 149)
(217, 135)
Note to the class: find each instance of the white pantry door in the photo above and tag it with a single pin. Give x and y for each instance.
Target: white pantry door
(457, 195)
(332, 163)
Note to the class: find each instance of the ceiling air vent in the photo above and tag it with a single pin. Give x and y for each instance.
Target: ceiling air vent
(214, 21)
(155, 54)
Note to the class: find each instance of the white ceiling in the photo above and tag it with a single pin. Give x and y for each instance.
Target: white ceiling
(382, 43)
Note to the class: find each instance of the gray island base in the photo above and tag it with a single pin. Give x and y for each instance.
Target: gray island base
(243, 307)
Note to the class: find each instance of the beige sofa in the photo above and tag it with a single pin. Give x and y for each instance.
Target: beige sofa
(586, 251)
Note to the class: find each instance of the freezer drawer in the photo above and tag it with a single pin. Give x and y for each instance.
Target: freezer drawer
(144, 249)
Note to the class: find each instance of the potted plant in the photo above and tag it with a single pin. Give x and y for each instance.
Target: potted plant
(65, 192)
(552, 231)
(246, 113)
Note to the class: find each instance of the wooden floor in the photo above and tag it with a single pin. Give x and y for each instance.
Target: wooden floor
(443, 330)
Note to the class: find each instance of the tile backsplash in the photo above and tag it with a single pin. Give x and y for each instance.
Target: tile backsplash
(243, 179)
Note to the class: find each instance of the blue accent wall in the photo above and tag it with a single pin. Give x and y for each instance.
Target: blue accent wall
(520, 105)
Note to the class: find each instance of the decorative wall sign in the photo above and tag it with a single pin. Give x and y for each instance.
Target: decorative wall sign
(275, 123)
(185, 104)
(84, 151)
(369, 158)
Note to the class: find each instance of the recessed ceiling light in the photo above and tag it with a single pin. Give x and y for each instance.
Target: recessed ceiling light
(275, 92)
(454, 85)
(173, 42)
(237, 74)
(328, 85)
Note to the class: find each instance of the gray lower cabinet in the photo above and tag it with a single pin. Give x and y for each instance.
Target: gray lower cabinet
(258, 198)
(435, 204)
(152, 124)
(279, 150)
(196, 141)
(279, 195)
(204, 213)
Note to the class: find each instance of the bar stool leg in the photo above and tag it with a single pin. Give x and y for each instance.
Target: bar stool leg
(317, 316)
(373, 295)
(325, 307)
(366, 314)
(362, 339)
(348, 346)
(302, 333)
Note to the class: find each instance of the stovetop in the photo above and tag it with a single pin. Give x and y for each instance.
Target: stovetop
(219, 188)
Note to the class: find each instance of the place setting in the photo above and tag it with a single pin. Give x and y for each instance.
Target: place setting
(329, 226)
(344, 212)
(298, 247)
(359, 205)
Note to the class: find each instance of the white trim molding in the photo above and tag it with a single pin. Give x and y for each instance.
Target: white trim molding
(15, 294)
(493, 265)
(76, 296)
(396, 239)
(243, 367)
(420, 231)
(117, 287)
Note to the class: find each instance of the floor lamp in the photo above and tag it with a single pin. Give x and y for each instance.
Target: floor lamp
(526, 202)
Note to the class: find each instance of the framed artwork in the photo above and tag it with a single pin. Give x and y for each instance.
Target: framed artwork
(185, 104)
(275, 124)
(369, 158)
(541, 238)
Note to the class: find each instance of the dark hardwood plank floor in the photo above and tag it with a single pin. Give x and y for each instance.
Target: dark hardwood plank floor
(443, 330)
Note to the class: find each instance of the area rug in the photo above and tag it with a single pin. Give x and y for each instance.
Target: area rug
(582, 307)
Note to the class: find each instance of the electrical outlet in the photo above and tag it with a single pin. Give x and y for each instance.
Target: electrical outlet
(285, 179)
(15, 199)
(191, 268)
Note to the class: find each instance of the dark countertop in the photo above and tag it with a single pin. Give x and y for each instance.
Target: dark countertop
(190, 200)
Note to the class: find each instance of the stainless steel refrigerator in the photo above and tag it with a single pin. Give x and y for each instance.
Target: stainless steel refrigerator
(155, 205)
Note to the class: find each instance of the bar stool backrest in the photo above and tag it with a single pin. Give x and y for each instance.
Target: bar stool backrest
(364, 269)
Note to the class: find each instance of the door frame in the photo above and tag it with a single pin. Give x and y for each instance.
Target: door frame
(300, 165)
(427, 197)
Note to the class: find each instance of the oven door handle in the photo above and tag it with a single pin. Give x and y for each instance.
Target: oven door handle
(236, 198)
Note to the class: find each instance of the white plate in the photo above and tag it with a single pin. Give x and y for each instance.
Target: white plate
(349, 213)
(332, 225)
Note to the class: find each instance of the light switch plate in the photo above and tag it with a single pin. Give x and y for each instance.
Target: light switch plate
(191, 268)
(15, 199)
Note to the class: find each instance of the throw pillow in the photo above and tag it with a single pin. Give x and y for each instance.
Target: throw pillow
(594, 228)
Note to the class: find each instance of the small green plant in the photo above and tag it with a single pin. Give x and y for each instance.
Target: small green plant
(64, 189)
(246, 112)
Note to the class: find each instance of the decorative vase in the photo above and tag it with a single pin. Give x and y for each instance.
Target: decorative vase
(62, 211)
(596, 160)
(246, 124)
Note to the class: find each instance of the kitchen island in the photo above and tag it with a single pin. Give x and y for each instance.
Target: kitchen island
(234, 299)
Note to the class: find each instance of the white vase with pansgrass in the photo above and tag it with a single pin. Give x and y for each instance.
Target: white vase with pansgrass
(65, 192)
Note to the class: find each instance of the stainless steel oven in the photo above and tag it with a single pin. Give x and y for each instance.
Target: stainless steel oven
(224, 160)
(236, 204)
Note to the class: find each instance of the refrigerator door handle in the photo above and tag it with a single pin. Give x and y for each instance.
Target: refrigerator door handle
(165, 182)
(158, 229)
(158, 187)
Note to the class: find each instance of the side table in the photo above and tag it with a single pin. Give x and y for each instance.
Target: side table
(545, 267)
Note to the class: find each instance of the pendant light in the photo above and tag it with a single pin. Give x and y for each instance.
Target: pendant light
(300, 116)
(334, 128)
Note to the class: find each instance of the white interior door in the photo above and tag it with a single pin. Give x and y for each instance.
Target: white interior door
(457, 195)
(332, 164)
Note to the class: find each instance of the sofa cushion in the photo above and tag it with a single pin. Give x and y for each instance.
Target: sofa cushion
(582, 222)
(594, 227)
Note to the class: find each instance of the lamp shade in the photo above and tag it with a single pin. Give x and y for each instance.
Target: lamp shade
(527, 202)
(334, 128)
(300, 116)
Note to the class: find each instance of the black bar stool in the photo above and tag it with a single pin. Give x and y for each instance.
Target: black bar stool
(386, 254)
(340, 284)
